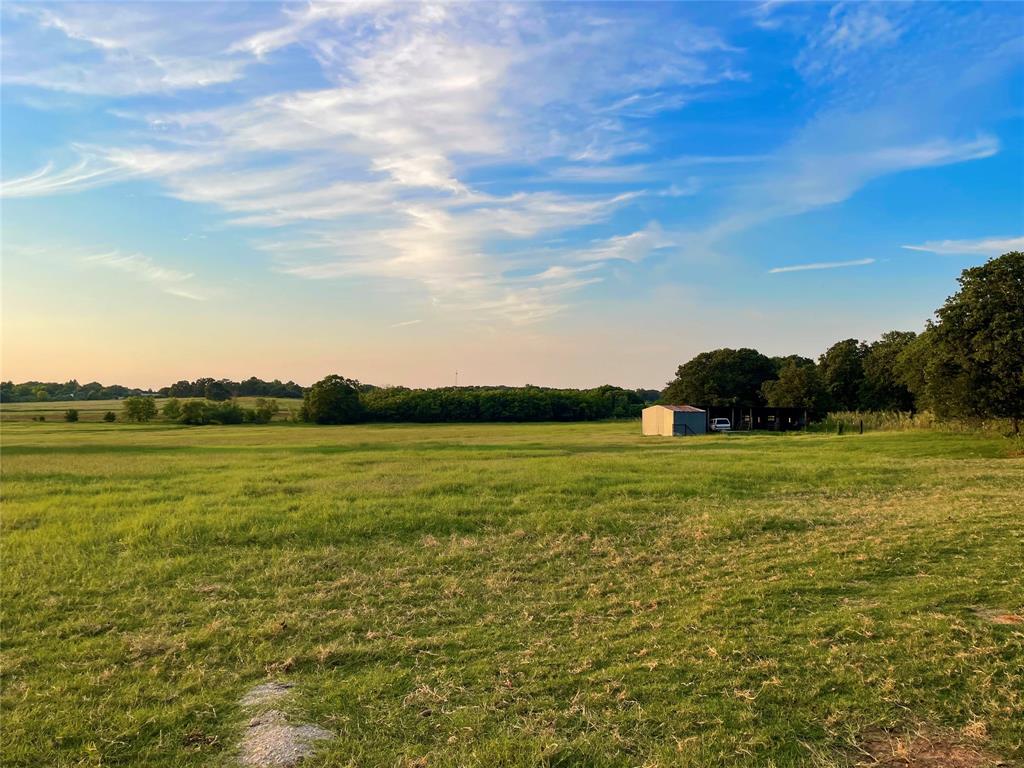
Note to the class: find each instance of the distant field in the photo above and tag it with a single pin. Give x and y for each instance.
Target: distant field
(503, 595)
(93, 410)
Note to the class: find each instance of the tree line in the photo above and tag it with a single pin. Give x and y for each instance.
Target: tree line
(225, 389)
(339, 400)
(968, 362)
(208, 388)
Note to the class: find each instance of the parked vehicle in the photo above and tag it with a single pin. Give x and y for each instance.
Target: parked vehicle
(720, 425)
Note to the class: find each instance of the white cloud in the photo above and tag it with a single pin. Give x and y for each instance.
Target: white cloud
(822, 265)
(97, 49)
(986, 246)
(373, 172)
(144, 269)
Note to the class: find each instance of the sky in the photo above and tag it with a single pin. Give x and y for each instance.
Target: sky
(555, 194)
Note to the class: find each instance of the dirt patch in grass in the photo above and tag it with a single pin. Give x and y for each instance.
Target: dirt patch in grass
(266, 693)
(999, 616)
(271, 741)
(924, 748)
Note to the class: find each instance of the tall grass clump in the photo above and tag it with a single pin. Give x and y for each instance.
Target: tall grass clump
(900, 421)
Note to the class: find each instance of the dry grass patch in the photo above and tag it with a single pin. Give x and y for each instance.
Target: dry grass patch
(924, 748)
(999, 616)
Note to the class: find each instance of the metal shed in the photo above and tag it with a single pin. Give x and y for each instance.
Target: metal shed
(674, 420)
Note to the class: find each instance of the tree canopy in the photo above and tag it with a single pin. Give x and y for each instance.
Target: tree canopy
(842, 371)
(721, 377)
(138, 408)
(333, 400)
(799, 386)
(971, 361)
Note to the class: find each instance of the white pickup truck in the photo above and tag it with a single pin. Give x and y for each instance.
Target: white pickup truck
(720, 425)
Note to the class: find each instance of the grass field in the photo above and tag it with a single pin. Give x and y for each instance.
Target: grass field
(483, 595)
(93, 410)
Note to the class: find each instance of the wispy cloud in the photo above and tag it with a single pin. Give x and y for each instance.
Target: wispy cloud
(88, 48)
(372, 163)
(405, 323)
(851, 31)
(144, 269)
(986, 246)
(84, 174)
(634, 247)
(822, 265)
(369, 174)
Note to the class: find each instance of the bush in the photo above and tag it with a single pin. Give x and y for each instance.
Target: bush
(109, 416)
(71, 414)
(172, 409)
(200, 412)
(193, 412)
(137, 408)
(264, 411)
(225, 413)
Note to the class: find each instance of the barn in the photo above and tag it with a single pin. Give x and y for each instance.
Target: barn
(674, 420)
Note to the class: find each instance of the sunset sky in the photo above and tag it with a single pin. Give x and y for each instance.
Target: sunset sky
(562, 195)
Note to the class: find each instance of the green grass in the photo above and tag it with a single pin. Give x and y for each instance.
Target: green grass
(93, 410)
(503, 595)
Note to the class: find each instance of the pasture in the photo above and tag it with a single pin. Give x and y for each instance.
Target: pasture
(513, 595)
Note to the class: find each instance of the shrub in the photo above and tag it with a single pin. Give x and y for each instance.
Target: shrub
(71, 414)
(224, 413)
(200, 412)
(172, 409)
(137, 408)
(193, 412)
(264, 411)
(109, 416)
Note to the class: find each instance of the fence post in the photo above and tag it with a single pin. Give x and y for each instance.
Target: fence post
(862, 426)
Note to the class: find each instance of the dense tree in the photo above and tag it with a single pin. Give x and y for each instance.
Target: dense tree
(721, 377)
(971, 362)
(181, 388)
(799, 386)
(71, 414)
(842, 371)
(109, 416)
(333, 400)
(779, 362)
(882, 388)
(217, 390)
(139, 408)
(499, 404)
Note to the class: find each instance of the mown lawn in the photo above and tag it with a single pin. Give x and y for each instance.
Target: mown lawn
(505, 595)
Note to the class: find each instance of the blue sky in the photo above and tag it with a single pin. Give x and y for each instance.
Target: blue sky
(565, 194)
